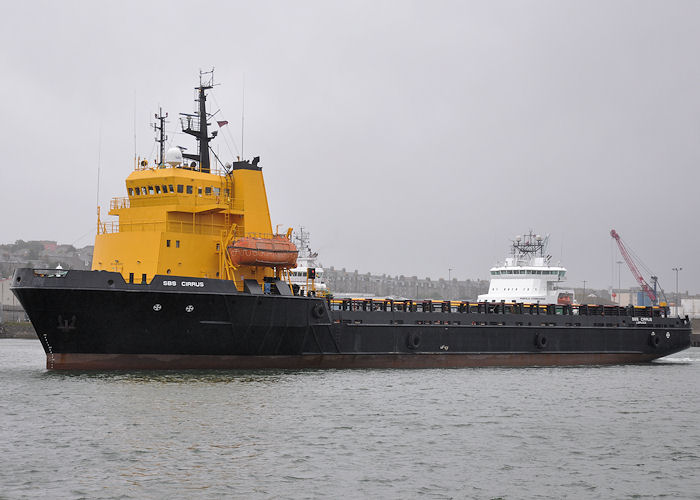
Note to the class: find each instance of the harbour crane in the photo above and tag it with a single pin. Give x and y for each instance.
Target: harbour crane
(651, 293)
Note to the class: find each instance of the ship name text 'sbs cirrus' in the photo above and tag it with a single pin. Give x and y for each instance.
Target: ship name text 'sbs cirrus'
(198, 284)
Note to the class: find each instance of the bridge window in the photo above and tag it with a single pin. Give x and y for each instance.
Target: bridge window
(150, 189)
(167, 243)
(165, 189)
(157, 189)
(137, 191)
(177, 243)
(171, 188)
(131, 192)
(180, 188)
(199, 191)
(207, 191)
(189, 189)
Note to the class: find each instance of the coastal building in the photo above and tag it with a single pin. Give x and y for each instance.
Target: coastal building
(344, 282)
(10, 308)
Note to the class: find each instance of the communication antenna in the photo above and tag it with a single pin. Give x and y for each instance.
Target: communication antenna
(242, 113)
(203, 83)
(99, 162)
(135, 148)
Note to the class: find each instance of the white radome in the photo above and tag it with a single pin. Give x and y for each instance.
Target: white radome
(173, 157)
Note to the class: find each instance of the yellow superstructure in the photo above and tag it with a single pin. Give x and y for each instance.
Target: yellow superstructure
(179, 221)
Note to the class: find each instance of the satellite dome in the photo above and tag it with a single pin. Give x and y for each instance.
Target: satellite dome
(173, 157)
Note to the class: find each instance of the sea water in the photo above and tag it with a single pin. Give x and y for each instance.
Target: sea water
(592, 432)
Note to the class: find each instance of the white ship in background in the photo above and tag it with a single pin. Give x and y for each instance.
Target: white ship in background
(527, 275)
(308, 275)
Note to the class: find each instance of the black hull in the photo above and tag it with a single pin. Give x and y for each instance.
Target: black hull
(93, 320)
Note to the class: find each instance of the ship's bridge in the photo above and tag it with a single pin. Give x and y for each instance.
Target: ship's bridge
(188, 189)
(178, 220)
(548, 273)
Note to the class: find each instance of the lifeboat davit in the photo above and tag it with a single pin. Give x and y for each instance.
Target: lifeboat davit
(277, 251)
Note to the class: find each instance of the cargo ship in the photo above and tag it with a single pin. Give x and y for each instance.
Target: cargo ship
(191, 276)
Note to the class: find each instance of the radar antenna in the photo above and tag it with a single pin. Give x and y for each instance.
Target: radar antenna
(529, 244)
(197, 126)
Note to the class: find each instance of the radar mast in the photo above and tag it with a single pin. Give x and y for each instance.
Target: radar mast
(196, 125)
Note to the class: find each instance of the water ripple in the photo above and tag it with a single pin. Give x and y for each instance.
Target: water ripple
(600, 432)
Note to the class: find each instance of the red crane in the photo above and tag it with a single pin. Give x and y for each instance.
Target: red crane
(633, 267)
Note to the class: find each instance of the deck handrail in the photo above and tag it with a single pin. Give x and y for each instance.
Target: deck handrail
(161, 225)
(452, 306)
(148, 200)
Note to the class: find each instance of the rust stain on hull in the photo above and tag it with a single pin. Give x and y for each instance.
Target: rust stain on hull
(68, 361)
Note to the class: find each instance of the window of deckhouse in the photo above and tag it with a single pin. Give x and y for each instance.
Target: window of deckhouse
(137, 191)
(172, 190)
(217, 191)
(131, 192)
(189, 189)
(207, 191)
(199, 190)
(157, 189)
(165, 189)
(180, 188)
(150, 189)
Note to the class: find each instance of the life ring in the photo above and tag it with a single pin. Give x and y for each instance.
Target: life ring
(318, 310)
(540, 341)
(413, 340)
(654, 340)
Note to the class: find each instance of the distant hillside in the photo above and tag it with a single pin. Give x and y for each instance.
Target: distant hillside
(43, 253)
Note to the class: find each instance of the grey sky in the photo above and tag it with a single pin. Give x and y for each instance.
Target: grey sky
(408, 137)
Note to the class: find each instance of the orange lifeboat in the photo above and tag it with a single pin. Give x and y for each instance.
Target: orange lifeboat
(277, 251)
(565, 299)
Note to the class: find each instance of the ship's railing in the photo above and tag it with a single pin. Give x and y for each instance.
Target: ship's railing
(494, 308)
(251, 234)
(50, 273)
(117, 203)
(170, 198)
(161, 226)
(142, 164)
